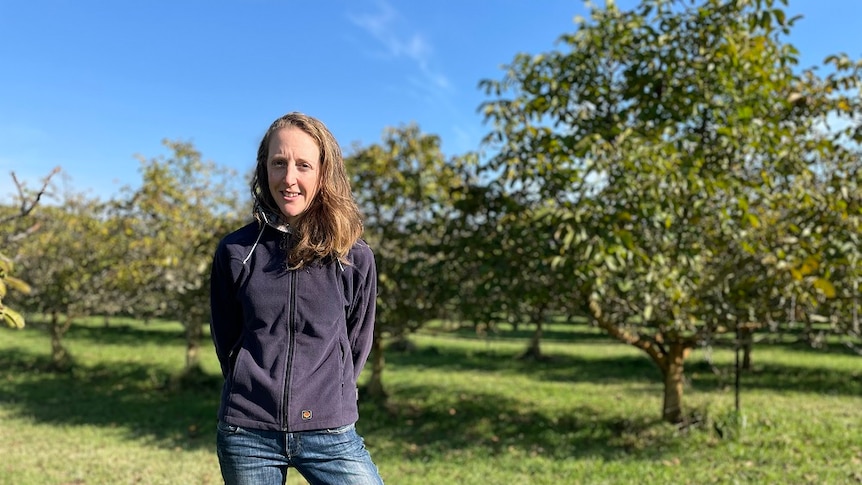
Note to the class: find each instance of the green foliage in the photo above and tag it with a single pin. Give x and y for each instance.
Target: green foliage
(68, 260)
(406, 190)
(171, 226)
(69, 263)
(147, 254)
(10, 232)
(681, 158)
(11, 318)
(500, 251)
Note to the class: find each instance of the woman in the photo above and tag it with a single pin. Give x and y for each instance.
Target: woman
(293, 302)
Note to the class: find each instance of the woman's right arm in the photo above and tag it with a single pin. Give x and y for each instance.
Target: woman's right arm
(225, 310)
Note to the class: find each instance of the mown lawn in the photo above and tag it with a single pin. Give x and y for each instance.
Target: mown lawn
(462, 409)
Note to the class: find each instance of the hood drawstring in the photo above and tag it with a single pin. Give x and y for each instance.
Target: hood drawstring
(253, 246)
(266, 218)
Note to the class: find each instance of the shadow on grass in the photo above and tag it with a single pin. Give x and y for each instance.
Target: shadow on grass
(836, 348)
(118, 333)
(552, 333)
(634, 368)
(798, 344)
(780, 378)
(558, 368)
(492, 424)
(140, 399)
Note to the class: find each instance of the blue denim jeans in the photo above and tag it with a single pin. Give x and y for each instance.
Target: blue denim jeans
(326, 457)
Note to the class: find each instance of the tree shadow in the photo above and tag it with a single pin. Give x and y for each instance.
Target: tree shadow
(554, 367)
(835, 348)
(557, 332)
(780, 378)
(138, 398)
(794, 343)
(118, 333)
(493, 424)
(632, 368)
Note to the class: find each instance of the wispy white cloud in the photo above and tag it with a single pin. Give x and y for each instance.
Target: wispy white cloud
(394, 38)
(392, 31)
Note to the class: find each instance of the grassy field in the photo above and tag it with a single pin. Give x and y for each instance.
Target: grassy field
(462, 409)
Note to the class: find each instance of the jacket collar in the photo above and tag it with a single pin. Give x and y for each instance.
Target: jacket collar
(271, 219)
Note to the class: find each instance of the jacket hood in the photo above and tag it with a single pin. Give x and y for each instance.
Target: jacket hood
(265, 218)
(271, 219)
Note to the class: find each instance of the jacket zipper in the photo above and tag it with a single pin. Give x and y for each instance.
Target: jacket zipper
(291, 340)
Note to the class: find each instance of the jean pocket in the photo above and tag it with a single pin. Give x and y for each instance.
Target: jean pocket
(227, 428)
(339, 430)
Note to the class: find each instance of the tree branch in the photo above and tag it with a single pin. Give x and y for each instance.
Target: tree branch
(27, 203)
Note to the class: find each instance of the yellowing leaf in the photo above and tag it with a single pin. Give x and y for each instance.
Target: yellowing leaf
(825, 287)
(12, 318)
(753, 220)
(647, 312)
(809, 266)
(18, 285)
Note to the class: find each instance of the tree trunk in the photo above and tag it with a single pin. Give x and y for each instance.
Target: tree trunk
(60, 358)
(855, 318)
(666, 351)
(194, 335)
(534, 349)
(747, 343)
(673, 372)
(375, 383)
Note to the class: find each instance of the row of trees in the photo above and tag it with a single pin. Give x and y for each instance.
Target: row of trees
(668, 171)
(144, 254)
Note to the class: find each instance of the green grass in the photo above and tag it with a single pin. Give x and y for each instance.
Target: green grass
(462, 409)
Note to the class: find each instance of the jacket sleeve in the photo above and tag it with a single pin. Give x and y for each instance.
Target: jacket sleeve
(360, 321)
(225, 311)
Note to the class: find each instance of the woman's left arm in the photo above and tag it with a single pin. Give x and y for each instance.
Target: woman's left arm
(361, 319)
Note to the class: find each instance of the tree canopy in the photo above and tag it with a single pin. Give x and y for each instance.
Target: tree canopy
(681, 153)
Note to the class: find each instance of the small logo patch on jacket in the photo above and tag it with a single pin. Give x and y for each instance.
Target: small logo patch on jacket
(306, 414)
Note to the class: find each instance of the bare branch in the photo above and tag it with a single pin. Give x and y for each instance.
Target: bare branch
(29, 203)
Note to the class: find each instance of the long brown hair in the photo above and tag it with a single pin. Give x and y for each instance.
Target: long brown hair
(331, 224)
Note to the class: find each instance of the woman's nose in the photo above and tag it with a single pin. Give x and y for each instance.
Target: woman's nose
(290, 174)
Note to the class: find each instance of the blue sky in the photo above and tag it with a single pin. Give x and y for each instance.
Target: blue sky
(90, 84)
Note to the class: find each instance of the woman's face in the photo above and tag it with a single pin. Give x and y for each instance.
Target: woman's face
(293, 170)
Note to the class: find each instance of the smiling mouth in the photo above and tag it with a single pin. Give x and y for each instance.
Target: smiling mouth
(290, 195)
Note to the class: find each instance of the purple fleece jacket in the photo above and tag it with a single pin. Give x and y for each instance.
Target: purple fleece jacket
(291, 343)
